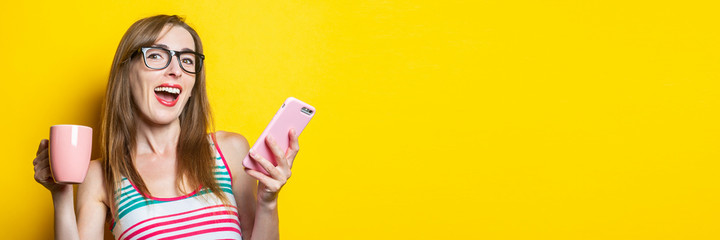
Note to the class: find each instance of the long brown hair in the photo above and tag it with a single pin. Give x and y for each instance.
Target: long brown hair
(118, 130)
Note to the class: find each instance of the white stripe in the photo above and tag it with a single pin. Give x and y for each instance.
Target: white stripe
(218, 235)
(186, 223)
(170, 208)
(218, 225)
(167, 219)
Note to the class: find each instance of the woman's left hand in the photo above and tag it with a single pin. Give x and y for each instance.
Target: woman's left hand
(269, 186)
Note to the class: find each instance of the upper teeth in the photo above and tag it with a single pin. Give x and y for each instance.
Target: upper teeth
(168, 89)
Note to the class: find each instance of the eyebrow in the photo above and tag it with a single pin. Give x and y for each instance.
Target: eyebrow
(166, 47)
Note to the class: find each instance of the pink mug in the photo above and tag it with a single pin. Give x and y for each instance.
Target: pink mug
(70, 147)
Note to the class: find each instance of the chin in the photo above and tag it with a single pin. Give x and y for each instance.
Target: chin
(163, 118)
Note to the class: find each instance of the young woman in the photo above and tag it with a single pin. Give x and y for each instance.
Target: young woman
(162, 176)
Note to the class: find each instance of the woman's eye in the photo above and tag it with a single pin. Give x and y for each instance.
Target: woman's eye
(154, 56)
(187, 61)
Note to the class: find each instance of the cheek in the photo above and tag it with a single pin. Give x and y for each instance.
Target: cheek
(190, 87)
(137, 86)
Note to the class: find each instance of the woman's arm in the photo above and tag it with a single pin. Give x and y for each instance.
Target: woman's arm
(65, 225)
(258, 211)
(89, 204)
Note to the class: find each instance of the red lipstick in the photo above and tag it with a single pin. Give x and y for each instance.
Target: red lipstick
(166, 102)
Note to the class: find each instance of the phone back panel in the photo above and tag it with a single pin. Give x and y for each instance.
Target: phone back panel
(292, 114)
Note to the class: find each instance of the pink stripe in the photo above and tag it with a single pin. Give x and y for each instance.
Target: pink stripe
(209, 223)
(223, 157)
(172, 215)
(160, 224)
(221, 229)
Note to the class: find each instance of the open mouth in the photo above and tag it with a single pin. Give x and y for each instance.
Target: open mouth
(168, 94)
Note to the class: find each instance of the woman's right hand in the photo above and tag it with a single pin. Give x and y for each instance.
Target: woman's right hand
(42, 168)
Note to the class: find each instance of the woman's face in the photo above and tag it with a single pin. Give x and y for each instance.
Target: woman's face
(155, 92)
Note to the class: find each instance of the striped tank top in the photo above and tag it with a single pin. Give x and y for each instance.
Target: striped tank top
(198, 215)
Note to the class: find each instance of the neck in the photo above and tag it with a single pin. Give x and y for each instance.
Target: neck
(157, 139)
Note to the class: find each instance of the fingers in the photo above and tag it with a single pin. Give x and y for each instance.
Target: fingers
(279, 156)
(41, 153)
(42, 161)
(43, 145)
(280, 174)
(43, 175)
(270, 183)
(42, 156)
(41, 166)
(293, 148)
(272, 170)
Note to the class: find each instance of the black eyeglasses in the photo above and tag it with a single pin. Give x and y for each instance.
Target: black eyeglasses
(160, 58)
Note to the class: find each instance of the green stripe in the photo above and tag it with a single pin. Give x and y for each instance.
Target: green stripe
(123, 194)
(132, 202)
(223, 179)
(206, 191)
(133, 207)
(123, 189)
(128, 197)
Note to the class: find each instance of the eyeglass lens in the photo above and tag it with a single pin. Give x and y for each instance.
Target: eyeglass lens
(159, 58)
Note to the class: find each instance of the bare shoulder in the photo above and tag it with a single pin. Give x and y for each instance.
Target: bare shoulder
(95, 170)
(234, 147)
(235, 140)
(232, 143)
(95, 174)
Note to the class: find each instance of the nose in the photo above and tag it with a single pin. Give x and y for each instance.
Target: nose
(174, 69)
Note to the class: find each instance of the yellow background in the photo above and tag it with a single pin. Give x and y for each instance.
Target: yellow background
(436, 119)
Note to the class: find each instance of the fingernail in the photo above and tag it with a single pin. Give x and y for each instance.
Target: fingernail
(270, 138)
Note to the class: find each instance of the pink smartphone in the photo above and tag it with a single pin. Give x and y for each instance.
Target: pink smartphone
(292, 114)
